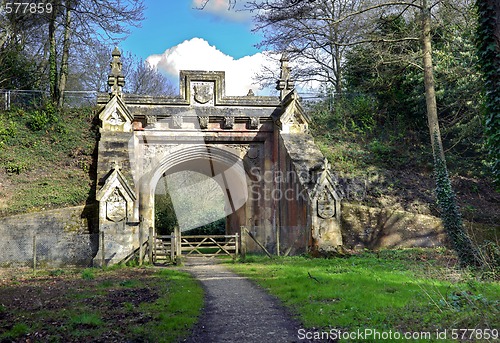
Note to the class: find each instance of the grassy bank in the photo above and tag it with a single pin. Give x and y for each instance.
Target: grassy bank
(128, 304)
(46, 159)
(404, 291)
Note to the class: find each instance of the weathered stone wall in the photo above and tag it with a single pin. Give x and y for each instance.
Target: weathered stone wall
(373, 228)
(64, 237)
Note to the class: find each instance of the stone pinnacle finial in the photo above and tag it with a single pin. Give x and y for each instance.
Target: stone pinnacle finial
(285, 85)
(116, 80)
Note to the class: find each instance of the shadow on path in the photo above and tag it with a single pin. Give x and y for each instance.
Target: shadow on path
(236, 310)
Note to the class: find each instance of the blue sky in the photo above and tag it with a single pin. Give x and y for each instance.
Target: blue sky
(170, 22)
(176, 36)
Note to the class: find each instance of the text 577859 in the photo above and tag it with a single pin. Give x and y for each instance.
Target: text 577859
(40, 7)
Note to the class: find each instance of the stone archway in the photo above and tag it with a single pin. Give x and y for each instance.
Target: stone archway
(191, 201)
(224, 166)
(277, 182)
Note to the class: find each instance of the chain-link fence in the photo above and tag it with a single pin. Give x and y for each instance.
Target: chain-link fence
(42, 250)
(74, 99)
(34, 98)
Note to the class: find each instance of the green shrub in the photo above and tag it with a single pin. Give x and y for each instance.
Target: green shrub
(41, 119)
(57, 272)
(38, 121)
(16, 167)
(380, 149)
(7, 130)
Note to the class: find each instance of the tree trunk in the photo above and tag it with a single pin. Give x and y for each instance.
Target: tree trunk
(430, 93)
(450, 214)
(52, 53)
(65, 55)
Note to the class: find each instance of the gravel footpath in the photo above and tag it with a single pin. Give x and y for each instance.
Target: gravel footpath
(236, 310)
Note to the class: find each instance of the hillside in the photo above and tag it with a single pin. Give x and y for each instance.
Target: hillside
(402, 181)
(46, 161)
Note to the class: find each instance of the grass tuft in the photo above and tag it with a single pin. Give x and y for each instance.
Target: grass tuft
(18, 330)
(86, 319)
(88, 274)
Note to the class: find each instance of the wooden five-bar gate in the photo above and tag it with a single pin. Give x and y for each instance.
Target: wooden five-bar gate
(169, 248)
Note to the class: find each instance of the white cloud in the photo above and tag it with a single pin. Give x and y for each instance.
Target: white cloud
(233, 10)
(198, 54)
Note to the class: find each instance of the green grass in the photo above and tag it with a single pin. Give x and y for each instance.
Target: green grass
(36, 161)
(88, 274)
(86, 319)
(382, 291)
(18, 330)
(175, 313)
(125, 304)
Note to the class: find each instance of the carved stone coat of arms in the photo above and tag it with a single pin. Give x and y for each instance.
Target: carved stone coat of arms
(326, 205)
(203, 93)
(116, 207)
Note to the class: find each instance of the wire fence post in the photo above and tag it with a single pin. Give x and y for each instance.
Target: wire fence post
(103, 254)
(236, 246)
(34, 253)
(277, 240)
(172, 248)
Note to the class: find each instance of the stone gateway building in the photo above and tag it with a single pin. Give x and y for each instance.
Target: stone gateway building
(275, 181)
(255, 151)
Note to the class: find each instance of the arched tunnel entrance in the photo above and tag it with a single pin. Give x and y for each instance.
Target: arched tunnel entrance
(204, 194)
(192, 201)
(195, 186)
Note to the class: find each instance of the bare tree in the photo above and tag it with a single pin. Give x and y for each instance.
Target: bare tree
(19, 40)
(312, 34)
(142, 78)
(79, 21)
(89, 69)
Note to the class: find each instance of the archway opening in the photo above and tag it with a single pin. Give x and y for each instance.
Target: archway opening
(190, 200)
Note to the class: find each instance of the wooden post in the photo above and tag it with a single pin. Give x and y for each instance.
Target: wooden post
(141, 248)
(34, 253)
(151, 244)
(103, 254)
(178, 239)
(172, 248)
(277, 240)
(236, 246)
(243, 242)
